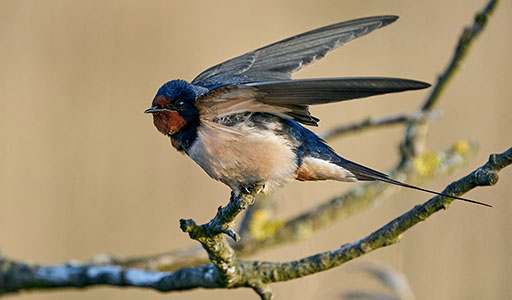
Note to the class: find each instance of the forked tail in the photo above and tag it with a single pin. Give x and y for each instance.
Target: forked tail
(364, 173)
(396, 182)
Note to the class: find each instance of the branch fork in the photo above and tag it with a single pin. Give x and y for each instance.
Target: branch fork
(210, 235)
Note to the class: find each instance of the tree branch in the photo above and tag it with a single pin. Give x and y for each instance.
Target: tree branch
(378, 122)
(220, 253)
(16, 276)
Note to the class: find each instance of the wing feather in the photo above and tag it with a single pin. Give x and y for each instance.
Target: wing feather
(291, 98)
(279, 60)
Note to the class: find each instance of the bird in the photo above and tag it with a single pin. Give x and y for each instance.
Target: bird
(243, 120)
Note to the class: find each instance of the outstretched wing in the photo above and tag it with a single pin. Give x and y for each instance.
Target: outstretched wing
(279, 60)
(291, 98)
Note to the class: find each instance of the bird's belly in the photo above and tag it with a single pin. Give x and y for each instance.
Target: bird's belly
(243, 157)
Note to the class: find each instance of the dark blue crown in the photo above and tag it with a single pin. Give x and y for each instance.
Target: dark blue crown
(177, 89)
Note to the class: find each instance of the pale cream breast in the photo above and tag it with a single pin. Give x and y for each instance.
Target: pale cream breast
(243, 155)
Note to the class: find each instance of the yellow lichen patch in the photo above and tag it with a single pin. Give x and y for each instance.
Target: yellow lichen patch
(262, 227)
(427, 163)
(462, 146)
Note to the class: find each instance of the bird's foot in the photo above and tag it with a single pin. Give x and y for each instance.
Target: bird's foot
(251, 190)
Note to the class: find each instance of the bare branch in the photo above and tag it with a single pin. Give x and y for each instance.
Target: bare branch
(220, 253)
(378, 122)
(167, 261)
(16, 276)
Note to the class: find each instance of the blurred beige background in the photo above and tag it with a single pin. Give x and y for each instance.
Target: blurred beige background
(83, 171)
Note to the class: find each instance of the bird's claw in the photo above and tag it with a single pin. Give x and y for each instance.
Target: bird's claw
(253, 200)
(256, 189)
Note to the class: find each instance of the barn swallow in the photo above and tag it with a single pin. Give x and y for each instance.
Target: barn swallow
(242, 120)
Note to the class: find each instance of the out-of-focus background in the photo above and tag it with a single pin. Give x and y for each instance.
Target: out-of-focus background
(83, 171)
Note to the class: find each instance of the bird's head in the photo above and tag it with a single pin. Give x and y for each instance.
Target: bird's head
(173, 106)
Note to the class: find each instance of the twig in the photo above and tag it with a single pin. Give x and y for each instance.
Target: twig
(220, 253)
(378, 122)
(167, 261)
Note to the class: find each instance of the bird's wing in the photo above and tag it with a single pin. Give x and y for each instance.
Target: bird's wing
(291, 98)
(279, 60)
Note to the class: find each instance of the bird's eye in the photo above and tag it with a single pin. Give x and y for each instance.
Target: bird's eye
(179, 103)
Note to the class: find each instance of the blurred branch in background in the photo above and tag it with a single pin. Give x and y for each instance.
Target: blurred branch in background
(260, 231)
(393, 280)
(377, 122)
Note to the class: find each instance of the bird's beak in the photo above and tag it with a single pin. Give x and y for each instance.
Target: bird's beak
(154, 109)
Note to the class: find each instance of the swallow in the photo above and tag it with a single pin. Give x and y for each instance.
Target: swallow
(242, 121)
